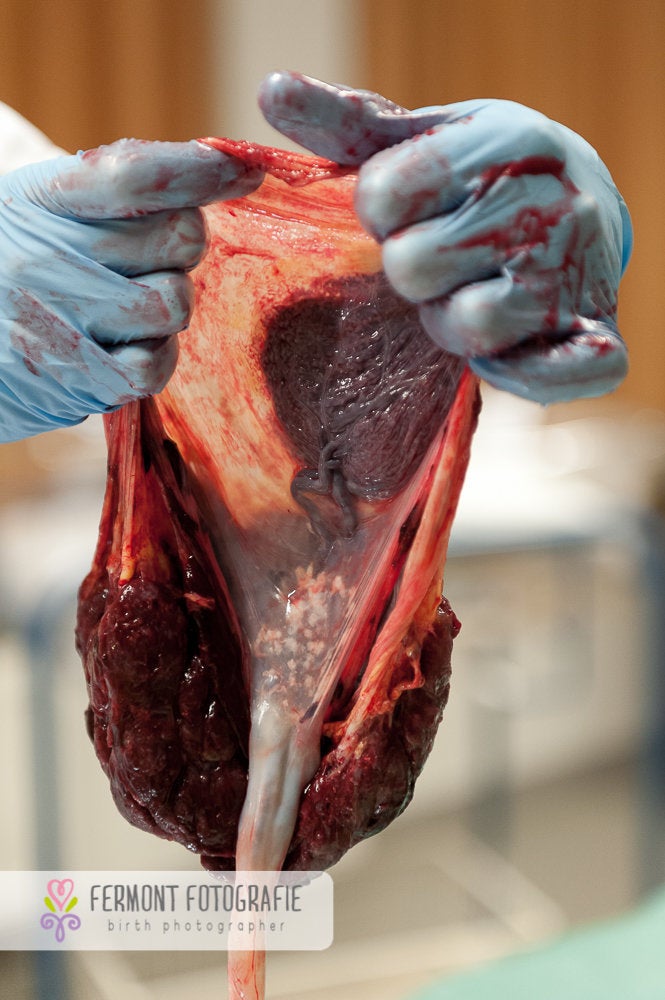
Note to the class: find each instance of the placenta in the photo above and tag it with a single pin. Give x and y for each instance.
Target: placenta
(265, 641)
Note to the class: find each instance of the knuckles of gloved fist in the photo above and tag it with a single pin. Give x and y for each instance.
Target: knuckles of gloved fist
(94, 254)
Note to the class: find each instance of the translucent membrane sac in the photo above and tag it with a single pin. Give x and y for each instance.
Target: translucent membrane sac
(265, 641)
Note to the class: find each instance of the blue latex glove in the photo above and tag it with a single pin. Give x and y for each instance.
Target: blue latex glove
(94, 251)
(503, 226)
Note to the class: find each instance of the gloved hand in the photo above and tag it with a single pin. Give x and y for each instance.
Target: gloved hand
(94, 250)
(503, 226)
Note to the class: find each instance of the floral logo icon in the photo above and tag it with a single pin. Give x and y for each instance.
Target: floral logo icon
(60, 901)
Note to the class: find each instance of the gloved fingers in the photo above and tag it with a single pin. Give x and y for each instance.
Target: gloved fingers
(152, 306)
(132, 177)
(506, 315)
(74, 377)
(466, 160)
(589, 361)
(147, 364)
(426, 261)
(331, 120)
(162, 241)
(430, 259)
(52, 375)
(488, 316)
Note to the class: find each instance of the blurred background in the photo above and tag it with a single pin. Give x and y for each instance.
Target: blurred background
(542, 806)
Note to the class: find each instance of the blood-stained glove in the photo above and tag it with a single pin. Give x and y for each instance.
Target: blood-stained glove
(503, 226)
(94, 250)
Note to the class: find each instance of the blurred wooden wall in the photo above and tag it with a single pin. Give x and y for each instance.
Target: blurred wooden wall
(90, 71)
(596, 65)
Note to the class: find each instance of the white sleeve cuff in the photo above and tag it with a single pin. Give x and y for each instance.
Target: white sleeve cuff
(21, 142)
